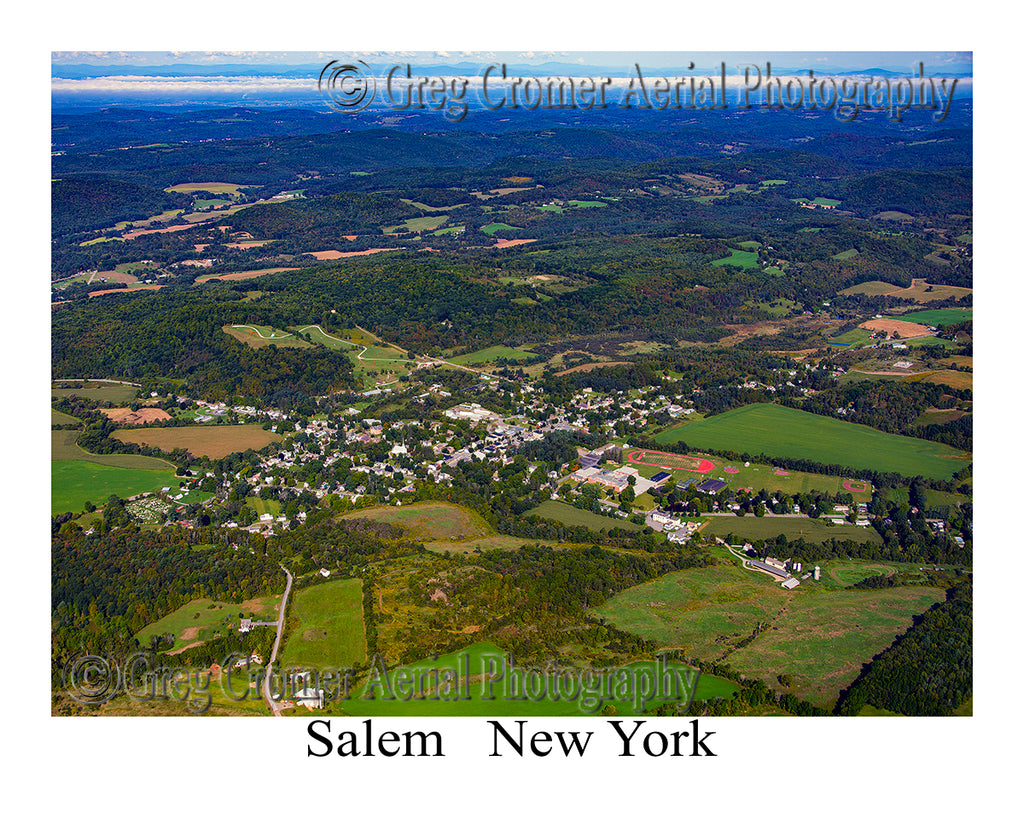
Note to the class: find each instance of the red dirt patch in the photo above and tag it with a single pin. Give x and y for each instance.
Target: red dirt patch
(245, 274)
(512, 242)
(172, 229)
(125, 415)
(125, 290)
(856, 486)
(732, 470)
(890, 327)
(337, 254)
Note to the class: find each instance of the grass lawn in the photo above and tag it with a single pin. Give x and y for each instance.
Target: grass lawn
(215, 441)
(571, 516)
(784, 432)
(72, 483)
(329, 632)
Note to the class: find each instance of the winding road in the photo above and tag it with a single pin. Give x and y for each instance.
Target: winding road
(275, 706)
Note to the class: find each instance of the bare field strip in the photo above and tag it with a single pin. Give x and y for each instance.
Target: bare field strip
(214, 441)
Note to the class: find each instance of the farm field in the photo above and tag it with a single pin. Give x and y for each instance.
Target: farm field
(212, 441)
(740, 258)
(571, 516)
(114, 393)
(329, 632)
(751, 527)
(72, 483)
(481, 660)
(822, 639)
(203, 619)
(790, 433)
(940, 318)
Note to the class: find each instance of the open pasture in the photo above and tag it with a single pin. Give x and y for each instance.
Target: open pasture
(790, 433)
(213, 441)
(72, 483)
(823, 639)
(329, 632)
(492, 354)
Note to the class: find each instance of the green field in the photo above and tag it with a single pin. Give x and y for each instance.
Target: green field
(58, 418)
(204, 619)
(751, 527)
(586, 203)
(739, 258)
(571, 516)
(118, 394)
(494, 227)
(492, 354)
(72, 483)
(940, 318)
(329, 632)
(846, 255)
(784, 432)
(418, 224)
(481, 661)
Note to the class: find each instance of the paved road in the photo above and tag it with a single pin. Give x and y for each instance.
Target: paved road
(275, 707)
